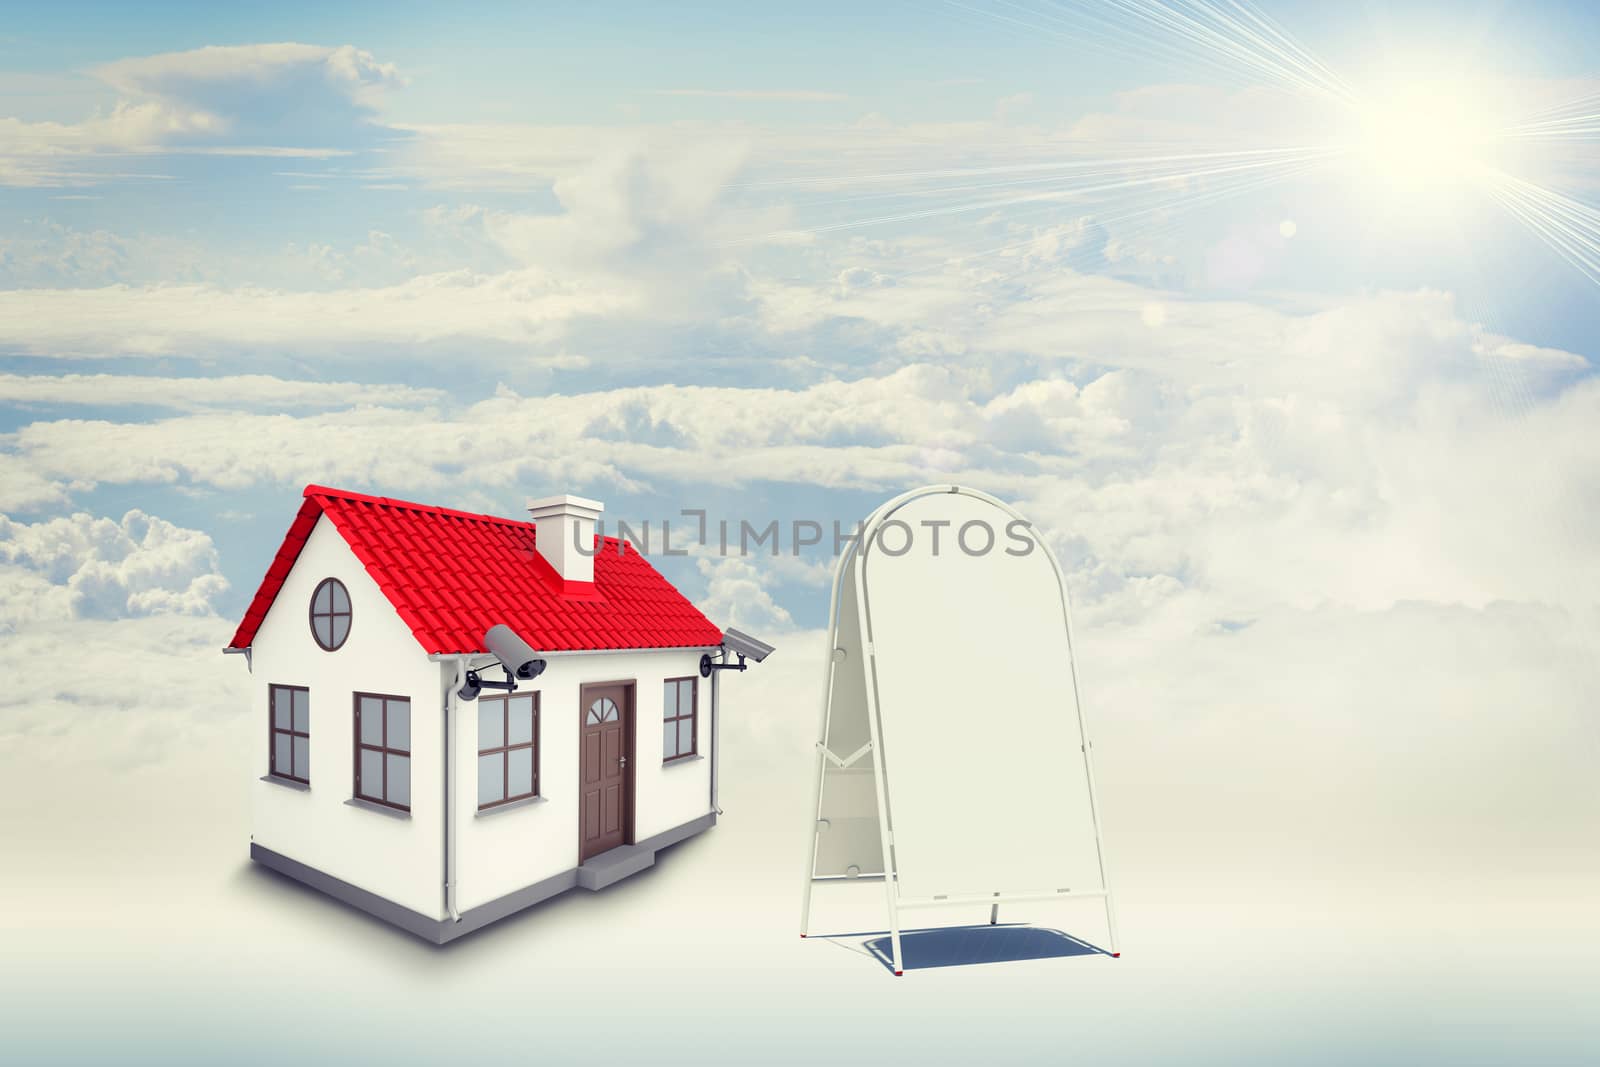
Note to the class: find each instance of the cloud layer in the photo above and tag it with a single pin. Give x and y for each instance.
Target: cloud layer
(82, 567)
(270, 99)
(1373, 452)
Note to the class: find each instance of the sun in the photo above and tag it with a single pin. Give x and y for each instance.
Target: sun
(1425, 149)
(1420, 135)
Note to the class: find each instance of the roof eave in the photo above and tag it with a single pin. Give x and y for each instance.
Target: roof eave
(443, 657)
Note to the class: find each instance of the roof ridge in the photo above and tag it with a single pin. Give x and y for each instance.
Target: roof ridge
(412, 505)
(314, 490)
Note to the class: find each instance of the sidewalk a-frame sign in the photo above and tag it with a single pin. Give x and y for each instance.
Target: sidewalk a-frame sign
(953, 759)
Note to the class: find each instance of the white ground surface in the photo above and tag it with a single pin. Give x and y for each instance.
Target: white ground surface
(1310, 897)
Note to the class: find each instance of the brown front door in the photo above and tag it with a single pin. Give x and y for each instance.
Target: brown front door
(607, 799)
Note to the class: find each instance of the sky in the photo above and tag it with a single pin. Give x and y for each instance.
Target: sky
(1272, 329)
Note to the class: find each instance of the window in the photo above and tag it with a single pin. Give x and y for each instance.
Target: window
(330, 614)
(289, 732)
(677, 718)
(508, 748)
(383, 750)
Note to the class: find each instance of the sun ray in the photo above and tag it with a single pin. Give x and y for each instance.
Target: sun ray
(1287, 41)
(1211, 29)
(1168, 212)
(1058, 193)
(1578, 129)
(1096, 181)
(1568, 226)
(1091, 25)
(1582, 103)
(1054, 165)
(1418, 145)
(1224, 191)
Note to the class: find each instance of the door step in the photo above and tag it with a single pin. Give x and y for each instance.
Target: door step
(614, 865)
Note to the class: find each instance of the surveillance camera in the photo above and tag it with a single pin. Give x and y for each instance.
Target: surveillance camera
(515, 654)
(745, 645)
(740, 644)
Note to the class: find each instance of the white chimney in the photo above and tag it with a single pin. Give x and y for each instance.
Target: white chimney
(562, 524)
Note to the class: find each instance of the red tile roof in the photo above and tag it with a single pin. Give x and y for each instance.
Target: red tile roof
(453, 574)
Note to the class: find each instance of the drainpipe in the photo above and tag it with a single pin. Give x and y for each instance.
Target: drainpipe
(716, 737)
(450, 793)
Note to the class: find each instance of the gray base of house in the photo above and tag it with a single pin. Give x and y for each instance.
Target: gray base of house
(599, 872)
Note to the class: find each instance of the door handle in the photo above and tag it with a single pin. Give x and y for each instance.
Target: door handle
(622, 761)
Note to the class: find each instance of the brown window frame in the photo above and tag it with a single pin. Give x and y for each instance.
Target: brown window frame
(693, 716)
(384, 750)
(291, 732)
(505, 749)
(312, 614)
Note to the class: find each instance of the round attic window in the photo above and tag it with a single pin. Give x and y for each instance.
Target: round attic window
(330, 614)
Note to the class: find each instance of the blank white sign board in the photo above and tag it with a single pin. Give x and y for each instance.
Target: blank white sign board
(952, 740)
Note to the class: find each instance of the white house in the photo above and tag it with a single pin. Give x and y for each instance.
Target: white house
(386, 786)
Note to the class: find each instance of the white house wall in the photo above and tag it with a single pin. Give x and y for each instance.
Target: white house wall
(503, 850)
(393, 855)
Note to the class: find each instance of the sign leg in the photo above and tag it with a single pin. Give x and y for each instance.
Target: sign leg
(894, 930)
(811, 858)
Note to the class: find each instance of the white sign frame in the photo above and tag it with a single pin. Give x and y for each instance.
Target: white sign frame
(850, 688)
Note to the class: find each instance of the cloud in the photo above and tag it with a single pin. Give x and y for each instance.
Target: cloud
(649, 212)
(511, 157)
(44, 253)
(1181, 441)
(228, 392)
(79, 566)
(57, 154)
(518, 156)
(23, 488)
(737, 595)
(647, 200)
(52, 254)
(169, 690)
(41, 253)
(798, 95)
(241, 80)
(1553, 361)
(261, 99)
(525, 307)
(264, 95)
(1346, 455)
(836, 433)
(635, 237)
(1008, 107)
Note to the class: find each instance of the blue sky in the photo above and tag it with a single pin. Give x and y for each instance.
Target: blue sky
(630, 203)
